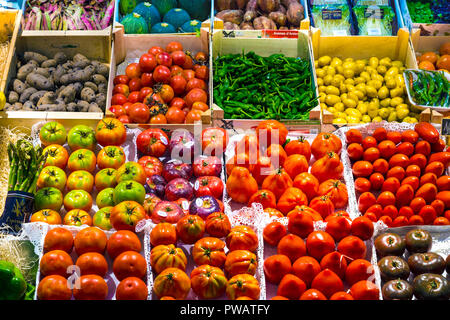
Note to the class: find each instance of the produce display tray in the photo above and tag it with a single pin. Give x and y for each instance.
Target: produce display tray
(9, 17)
(430, 29)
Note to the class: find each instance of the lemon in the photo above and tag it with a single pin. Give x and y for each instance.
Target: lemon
(353, 96)
(335, 62)
(361, 87)
(340, 69)
(331, 71)
(322, 96)
(398, 91)
(392, 117)
(351, 119)
(322, 89)
(349, 103)
(375, 83)
(373, 62)
(319, 82)
(392, 71)
(342, 88)
(381, 69)
(383, 113)
(336, 82)
(371, 92)
(323, 106)
(332, 90)
(332, 99)
(350, 87)
(372, 111)
(383, 92)
(354, 113)
(385, 102)
(339, 121)
(377, 119)
(402, 113)
(391, 83)
(360, 64)
(359, 80)
(349, 60)
(2, 101)
(366, 119)
(325, 60)
(320, 73)
(349, 73)
(396, 101)
(332, 109)
(358, 93)
(316, 64)
(386, 62)
(365, 75)
(327, 79)
(342, 115)
(363, 108)
(397, 64)
(344, 96)
(339, 107)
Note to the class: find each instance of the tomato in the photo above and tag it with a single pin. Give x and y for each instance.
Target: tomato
(376, 180)
(81, 137)
(131, 171)
(172, 282)
(91, 287)
(324, 143)
(355, 151)
(291, 246)
(242, 238)
(207, 166)
(214, 141)
(105, 178)
(369, 142)
(133, 70)
(77, 217)
(209, 185)
(129, 191)
(135, 86)
(353, 136)
(362, 168)
(274, 232)
(119, 99)
(139, 113)
(404, 195)
(338, 227)
(91, 239)
(194, 83)
(327, 282)
(122, 89)
(427, 132)
(394, 136)
(118, 110)
(365, 290)
(190, 228)
(131, 288)
(82, 159)
(124, 119)
(178, 57)
(429, 177)
(166, 211)
(110, 131)
(78, 199)
(125, 215)
(152, 142)
(352, 248)
(243, 285)
(158, 119)
(336, 190)
(47, 216)
(52, 133)
(410, 136)
(161, 74)
(81, 180)
(209, 250)
(105, 198)
(134, 98)
(362, 185)
(381, 166)
(129, 264)
(218, 225)
(396, 172)
(52, 176)
(312, 294)
(175, 115)
(390, 184)
(178, 84)
(111, 157)
(178, 103)
(174, 46)
(92, 263)
(435, 167)
(380, 134)
(428, 192)
(147, 62)
(155, 50)
(276, 267)
(144, 92)
(163, 233)
(101, 218)
(121, 79)
(357, 270)
(208, 282)
(54, 287)
(319, 243)
(196, 95)
(58, 239)
(371, 154)
(151, 165)
(301, 220)
(399, 160)
(48, 198)
(121, 241)
(147, 80)
(387, 149)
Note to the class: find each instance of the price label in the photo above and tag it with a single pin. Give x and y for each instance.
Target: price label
(290, 34)
(339, 33)
(374, 32)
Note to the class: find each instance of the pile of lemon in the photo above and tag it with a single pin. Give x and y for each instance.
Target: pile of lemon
(362, 91)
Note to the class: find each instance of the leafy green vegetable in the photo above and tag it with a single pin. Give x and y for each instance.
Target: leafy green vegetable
(332, 19)
(428, 88)
(374, 20)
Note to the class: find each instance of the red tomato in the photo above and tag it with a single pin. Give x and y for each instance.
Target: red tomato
(214, 140)
(118, 110)
(122, 88)
(178, 84)
(139, 113)
(121, 79)
(178, 103)
(196, 95)
(152, 142)
(178, 57)
(144, 92)
(119, 99)
(208, 185)
(135, 84)
(195, 83)
(176, 70)
(164, 59)
(174, 46)
(161, 74)
(133, 70)
(175, 115)
(134, 97)
(147, 62)
(155, 50)
(147, 79)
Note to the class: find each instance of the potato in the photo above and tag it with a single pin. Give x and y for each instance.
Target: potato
(278, 17)
(26, 94)
(39, 82)
(233, 16)
(269, 5)
(295, 14)
(39, 58)
(25, 70)
(262, 23)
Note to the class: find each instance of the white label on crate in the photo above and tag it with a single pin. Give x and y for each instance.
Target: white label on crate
(374, 32)
(339, 33)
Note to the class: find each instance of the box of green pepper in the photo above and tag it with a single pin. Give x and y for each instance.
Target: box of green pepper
(257, 76)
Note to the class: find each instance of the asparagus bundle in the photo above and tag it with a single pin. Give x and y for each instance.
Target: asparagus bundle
(26, 163)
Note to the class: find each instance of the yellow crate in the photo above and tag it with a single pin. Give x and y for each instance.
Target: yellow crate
(253, 40)
(362, 47)
(130, 47)
(9, 18)
(94, 47)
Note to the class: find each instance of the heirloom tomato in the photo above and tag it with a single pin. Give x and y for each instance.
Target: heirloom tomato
(54, 287)
(163, 233)
(105, 178)
(209, 250)
(218, 225)
(111, 157)
(78, 199)
(190, 228)
(265, 197)
(125, 215)
(56, 156)
(299, 146)
(77, 217)
(167, 256)
(243, 285)
(214, 141)
(207, 166)
(272, 132)
(80, 180)
(121, 241)
(58, 239)
(129, 191)
(118, 110)
(81, 137)
(324, 143)
(336, 190)
(274, 232)
(110, 132)
(172, 282)
(166, 211)
(91, 287)
(179, 188)
(52, 133)
(129, 264)
(139, 113)
(277, 182)
(131, 171)
(242, 238)
(105, 198)
(48, 198)
(291, 198)
(176, 169)
(90, 239)
(52, 176)
(208, 282)
(132, 288)
(47, 216)
(151, 165)
(152, 142)
(309, 184)
(208, 185)
(239, 262)
(92, 263)
(101, 218)
(82, 159)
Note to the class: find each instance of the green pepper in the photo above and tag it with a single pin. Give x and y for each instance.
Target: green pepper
(12, 282)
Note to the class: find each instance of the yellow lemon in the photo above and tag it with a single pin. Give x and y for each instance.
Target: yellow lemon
(2, 101)
(325, 60)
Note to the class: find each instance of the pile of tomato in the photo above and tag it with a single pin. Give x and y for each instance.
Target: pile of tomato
(319, 265)
(167, 85)
(400, 176)
(62, 279)
(279, 176)
(224, 257)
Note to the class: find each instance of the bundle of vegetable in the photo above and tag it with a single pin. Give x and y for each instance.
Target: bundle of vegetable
(26, 163)
(68, 15)
(428, 88)
(431, 11)
(260, 14)
(248, 86)
(374, 20)
(58, 84)
(332, 20)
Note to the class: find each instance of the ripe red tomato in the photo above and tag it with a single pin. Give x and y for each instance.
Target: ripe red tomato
(90, 239)
(121, 79)
(134, 97)
(164, 59)
(161, 74)
(118, 110)
(174, 46)
(129, 264)
(178, 103)
(189, 64)
(144, 92)
(178, 83)
(147, 62)
(176, 70)
(155, 50)
(119, 99)
(122, 88)
(175, 115)
(195, 83)
(196, 95)
(133, 70)
(135, 84)
(121, 241)
(147, 79)
(166, 92)
(132, 288)
(214, 140)
(124, 119)
(152, 142)
(91, 287)
(139, 113)
(202, 73)
(189, 74)
(178, 57)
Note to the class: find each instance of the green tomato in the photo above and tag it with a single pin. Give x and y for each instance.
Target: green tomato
(105, 198)
(105, 178)
(52, 133)
(81, 137)
(52, 176)
(101, 218)
(78, 199)
(48, 198)
(129, 191)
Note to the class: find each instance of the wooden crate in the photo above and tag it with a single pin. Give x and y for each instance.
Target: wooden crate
(94, 47)
(224, 42)
(9, 17)
(395, 47)
(129, 48)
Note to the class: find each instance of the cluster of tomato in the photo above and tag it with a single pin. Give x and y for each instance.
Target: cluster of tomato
(400, 176)
(119, 183)
(210, 238)
(89, 247)
(287, 181)
(316, 265)
(165, 86)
